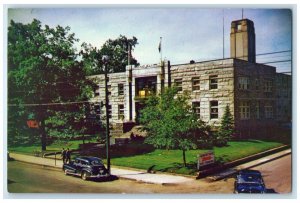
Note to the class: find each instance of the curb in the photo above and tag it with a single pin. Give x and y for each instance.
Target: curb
(211, 179)
(210, 171)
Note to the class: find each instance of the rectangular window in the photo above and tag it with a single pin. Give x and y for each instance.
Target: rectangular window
(214, 109)
(196, 108)
(109, 111)
(243, 83)
(213, 82)
(109, 90)
(121, 89)
(195, 83)
(268, 111)
(97, 93)
(268, 85)
(244, 110)
(178, 84)
(121, 112)
(256, 84)
(257, 116)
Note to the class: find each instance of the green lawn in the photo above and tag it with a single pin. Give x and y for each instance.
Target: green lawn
(171, 161)
(56, 146)
(164, 160)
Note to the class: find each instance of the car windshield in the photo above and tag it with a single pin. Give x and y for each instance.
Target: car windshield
(250, 178)
(96, 162)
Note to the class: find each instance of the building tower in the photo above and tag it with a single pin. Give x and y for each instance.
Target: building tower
(242, 40)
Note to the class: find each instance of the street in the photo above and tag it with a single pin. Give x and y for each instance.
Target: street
(28, 178)
(277, 174)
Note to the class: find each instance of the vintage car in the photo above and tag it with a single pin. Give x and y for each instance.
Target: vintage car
(86, 168)
(249, 181)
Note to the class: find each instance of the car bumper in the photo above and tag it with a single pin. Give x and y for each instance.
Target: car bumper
(99, 176)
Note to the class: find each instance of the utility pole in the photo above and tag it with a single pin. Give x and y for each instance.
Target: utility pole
(105, 59)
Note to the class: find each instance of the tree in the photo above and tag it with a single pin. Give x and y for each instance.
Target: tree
(226, 129)
(116, 49)
(170, 122)
(44, 74)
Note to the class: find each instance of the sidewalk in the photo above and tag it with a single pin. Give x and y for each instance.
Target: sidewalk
(121, 173)
(163, 179)
(251, 164)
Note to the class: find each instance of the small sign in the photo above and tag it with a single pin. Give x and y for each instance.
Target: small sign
(32, 124)
(206, 159)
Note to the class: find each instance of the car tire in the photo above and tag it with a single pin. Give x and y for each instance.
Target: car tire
(84, 175)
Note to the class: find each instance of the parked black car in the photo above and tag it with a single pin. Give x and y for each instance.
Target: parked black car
(249, 181)
(86, 167)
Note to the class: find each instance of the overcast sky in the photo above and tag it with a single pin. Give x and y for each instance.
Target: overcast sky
(187, 33)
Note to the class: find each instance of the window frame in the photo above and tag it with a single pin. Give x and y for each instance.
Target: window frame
(211, 78)
(121, 89)
(176, 82)
(244, 110)
(196, 108)
(195, 87)
(119, 111)
(214, 107)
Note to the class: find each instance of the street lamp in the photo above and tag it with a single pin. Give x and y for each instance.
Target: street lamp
(105, 59)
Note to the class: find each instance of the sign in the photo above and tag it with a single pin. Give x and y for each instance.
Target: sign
(32, 124)
(206, 159)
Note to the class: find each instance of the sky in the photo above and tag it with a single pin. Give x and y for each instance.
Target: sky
(188, 33)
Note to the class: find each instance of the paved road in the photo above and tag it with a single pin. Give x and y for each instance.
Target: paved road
(277, 174)
(25, 178)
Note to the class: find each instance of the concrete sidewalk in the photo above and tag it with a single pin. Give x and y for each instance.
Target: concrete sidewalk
(231, 171)
(121, 173)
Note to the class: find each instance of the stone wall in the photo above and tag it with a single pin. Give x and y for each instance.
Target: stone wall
(223, 70)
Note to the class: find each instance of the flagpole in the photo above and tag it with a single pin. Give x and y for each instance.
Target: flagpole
(160, 50)
(223, 33)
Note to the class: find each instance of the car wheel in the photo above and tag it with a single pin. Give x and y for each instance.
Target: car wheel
(84, 175)
(66, 171)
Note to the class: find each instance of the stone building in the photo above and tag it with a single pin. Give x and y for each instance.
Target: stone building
(257, 96)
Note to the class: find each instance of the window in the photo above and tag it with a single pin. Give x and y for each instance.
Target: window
(121, 89)
(97, 93)
(109, 90)
(195, 83)
(257, 116)
(256, 84)
(243, 83)
(121, 112)
(268, 85)
(244, 110)
(109, 111)
(178, 84)
(268, 111)
(196, 108)
(213, 82)
(239, 27)
(214, 109)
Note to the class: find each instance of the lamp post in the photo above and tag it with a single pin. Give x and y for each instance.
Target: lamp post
(105, 59)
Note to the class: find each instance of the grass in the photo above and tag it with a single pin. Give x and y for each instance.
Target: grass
(171, 160)
(165, 160)
(56, 146)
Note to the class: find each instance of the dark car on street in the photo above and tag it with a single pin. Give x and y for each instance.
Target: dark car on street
(86, 168)
(249, 181)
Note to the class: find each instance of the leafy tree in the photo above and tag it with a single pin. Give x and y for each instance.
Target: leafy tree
(226, 129)
(116, 49)
(170, 122)
(44, 75)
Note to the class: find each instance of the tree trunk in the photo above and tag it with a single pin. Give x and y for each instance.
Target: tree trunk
(183, 154)
(43, 135)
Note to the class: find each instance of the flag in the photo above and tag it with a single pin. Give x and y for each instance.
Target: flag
(159, 46)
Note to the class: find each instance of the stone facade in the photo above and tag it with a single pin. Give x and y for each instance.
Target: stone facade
(250, 90)
(257, 96)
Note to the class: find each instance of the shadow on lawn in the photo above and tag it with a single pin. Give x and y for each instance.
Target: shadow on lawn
(117, 151)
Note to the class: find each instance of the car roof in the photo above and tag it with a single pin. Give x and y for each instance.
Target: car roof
(249, 172)
(88, 158)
